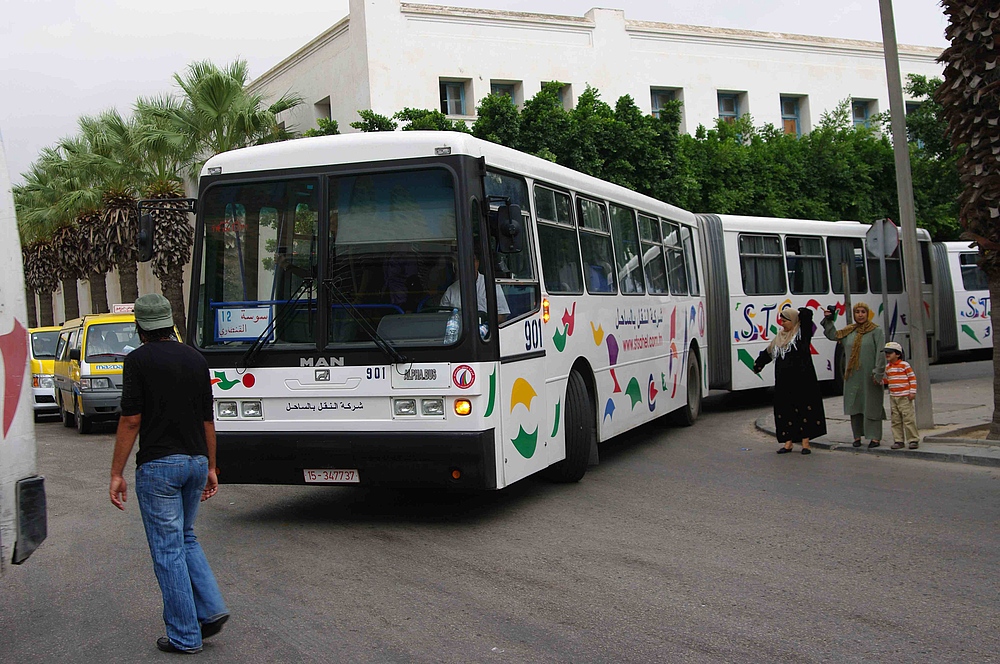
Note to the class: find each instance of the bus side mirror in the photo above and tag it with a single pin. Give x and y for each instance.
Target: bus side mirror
(509, 238)
(74, 354)
(145, 237)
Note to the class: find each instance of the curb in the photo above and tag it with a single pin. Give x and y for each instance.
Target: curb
(762, 424)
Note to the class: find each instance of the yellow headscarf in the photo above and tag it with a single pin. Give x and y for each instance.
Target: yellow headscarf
(862, 329)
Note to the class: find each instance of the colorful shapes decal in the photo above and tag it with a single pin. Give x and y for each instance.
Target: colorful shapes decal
(223, 382)
(493, 393)
(598, 333)
(525, 442)
(612, 350)
(560, 337)
(609, 409)
(617, 388)
(651, 393)
(634, 392)
(968, 330)
(569, 319)
(555, 425)
(745, 358)
(521, 392)
(14, 348)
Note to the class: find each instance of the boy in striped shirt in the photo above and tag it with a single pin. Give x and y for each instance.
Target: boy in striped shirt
(902, 384)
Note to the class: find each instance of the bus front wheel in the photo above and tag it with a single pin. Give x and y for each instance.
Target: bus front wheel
(581, 431)
(688, 413)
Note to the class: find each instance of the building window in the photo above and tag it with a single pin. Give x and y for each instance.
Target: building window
(790, 116)
(566, 96)
(729, 107)
(860, 112)
(505, 88)
(453, 97)
(659, 98)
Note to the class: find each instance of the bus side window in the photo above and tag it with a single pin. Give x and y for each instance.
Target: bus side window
(806, 266)
(973, 278)
(690, 256)
(560, 253)
(674, 249)
(627, 250)
(846, 250)
(762, 265)
(595, 245)
(653, 264)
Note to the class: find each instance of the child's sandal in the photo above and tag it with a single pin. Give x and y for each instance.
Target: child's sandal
(898, 446)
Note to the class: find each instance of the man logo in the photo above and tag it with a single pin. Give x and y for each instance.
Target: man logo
(463, 376)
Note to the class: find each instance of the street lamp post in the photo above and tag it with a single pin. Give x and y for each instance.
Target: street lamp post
(908, 222)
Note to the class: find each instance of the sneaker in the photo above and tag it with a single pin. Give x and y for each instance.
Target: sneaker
(897, 446)
(914, 445)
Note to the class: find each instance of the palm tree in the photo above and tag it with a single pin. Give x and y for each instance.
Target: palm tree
(164, 161)
(105, 157)
(970, 101)
(41, 205)
(217, 114)
(40, 275)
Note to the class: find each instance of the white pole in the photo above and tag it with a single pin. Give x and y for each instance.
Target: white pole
(908, 223)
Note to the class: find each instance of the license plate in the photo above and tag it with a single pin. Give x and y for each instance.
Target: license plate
(330, 476)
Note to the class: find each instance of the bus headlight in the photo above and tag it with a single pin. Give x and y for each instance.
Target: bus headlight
(251, 409)
(432, 406)
(226, 409)
(404, 406)
(463, 407)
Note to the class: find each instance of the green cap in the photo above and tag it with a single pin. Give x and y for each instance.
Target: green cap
(152, 312)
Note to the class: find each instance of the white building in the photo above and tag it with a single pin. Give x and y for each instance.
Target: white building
(387, 55)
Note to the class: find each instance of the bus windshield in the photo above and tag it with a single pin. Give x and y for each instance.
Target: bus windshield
(389, 247)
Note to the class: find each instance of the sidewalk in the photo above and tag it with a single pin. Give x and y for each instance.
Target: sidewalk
(962, 395)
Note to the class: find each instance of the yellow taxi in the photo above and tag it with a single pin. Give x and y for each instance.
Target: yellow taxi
(42, 350)
(88, 367)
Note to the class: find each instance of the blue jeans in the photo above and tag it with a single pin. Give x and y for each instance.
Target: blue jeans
(169, 491)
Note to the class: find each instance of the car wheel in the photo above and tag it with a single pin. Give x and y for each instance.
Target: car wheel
(83, 423)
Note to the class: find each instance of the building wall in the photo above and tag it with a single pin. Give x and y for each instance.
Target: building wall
(406, 50)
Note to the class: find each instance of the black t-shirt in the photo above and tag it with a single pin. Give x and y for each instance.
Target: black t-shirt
(168, 384)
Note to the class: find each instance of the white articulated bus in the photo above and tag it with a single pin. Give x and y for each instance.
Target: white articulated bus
(756, 266)
(963, 298)
(22, 491)
(430, 309)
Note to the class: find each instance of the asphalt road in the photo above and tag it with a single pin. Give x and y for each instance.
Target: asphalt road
(684, 545)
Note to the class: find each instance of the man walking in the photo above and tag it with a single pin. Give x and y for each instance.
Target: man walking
(167, 401)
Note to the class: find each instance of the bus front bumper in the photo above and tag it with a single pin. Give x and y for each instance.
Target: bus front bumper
(399, 460)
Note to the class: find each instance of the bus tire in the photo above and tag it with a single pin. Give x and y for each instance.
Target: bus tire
(581, 431)
(83, 423)
(69, 421)
(686, 415)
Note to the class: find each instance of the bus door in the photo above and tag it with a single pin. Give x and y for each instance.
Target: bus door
(526, 417)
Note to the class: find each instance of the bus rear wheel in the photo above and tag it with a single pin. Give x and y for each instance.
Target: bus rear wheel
(688, 413)
(581, 432)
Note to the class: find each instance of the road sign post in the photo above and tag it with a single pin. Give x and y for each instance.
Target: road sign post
(882, 241)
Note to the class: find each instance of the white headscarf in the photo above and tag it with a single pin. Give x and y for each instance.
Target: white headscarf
(785, 340)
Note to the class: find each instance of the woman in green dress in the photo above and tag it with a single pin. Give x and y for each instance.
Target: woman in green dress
(863, 373)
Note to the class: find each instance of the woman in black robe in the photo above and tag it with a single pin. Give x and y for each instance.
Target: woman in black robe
(798, 404)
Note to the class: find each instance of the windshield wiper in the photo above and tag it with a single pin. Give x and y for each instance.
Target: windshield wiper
(251, 352)
(366, 327)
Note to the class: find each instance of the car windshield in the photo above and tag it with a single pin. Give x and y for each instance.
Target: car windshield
(43, 344)
(107, 341)
(390, 255)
